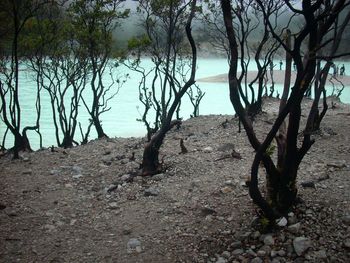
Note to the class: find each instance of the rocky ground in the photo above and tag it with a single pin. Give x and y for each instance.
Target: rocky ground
(80, 204)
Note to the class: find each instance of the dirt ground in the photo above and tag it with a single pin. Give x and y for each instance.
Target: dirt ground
(83, 204)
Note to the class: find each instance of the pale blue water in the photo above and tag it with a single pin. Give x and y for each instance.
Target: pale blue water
(120, 121)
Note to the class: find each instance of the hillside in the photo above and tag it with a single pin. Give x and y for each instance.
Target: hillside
(81, 204)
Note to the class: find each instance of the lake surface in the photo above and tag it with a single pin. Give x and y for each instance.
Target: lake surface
(121, 121)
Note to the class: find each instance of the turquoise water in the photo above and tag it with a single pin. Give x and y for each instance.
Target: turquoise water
(121, 121)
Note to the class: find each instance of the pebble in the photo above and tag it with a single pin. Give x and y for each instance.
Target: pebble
(221, 260)
(321, 254)
(28, 172)
(113, 205)
(134, 245)
(237, 251)
(226, 254)
(268, 240)
(282, 222)
(301, 244)
(158, 177)
(226, 190)
(347, 243)
(151, 191)
(294, 228)
(256, 260)
(346, 219)
(125, 177)
(208, 149)
(54, 172)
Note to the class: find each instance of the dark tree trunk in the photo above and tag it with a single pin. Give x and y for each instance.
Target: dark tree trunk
(99, 129)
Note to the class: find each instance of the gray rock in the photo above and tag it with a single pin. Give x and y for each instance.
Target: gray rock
(134, 245)
(292, 219)
(321, 254)
(256, 235)
(76, 169)
(220, 260)
(281, 253)
(237, 251)
(294, 228)
(54, 172)
(337, 164)
(77, 176)
(346, 219)
(261, 253)
(256, 260)
(125, 177)
(208, 149)
(158, 177)
(226, 147)
(282, 222)
(347, 243)
(151, 191)
(113, 205)
(251, 252)
(226, 254)
(268, 240)
(301, 245)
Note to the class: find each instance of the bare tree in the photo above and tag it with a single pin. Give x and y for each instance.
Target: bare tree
(94, 22)
(255, 45)
(165, 43)
(281, 178)
(18, 13)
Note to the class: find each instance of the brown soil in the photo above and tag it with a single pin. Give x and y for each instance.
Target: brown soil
(80, 205)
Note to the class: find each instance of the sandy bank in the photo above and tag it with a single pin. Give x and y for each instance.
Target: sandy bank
(278, 78)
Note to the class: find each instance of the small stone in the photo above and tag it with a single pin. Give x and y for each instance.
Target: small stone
(134, 245)
(347, 243)
(113, 205)
(256, 235)
(229, 183)
(49, 227)
(294, 228)
(77, 176)
(28, 172)
(226, 190)
(125, 177)
(158, 177)
(26, 159)
(208, 149)
(54, 172)
(251, 252)
(346, 220)
(220, 260)
(76, 169)
(321, 254)
(151, 192)
(226, 254)
(301, 245)
(282, 222)
(236, 244)
(273, 253)
(337, 164)
(256, 260)
(237, 251)
(269, 241)
(261, 253)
